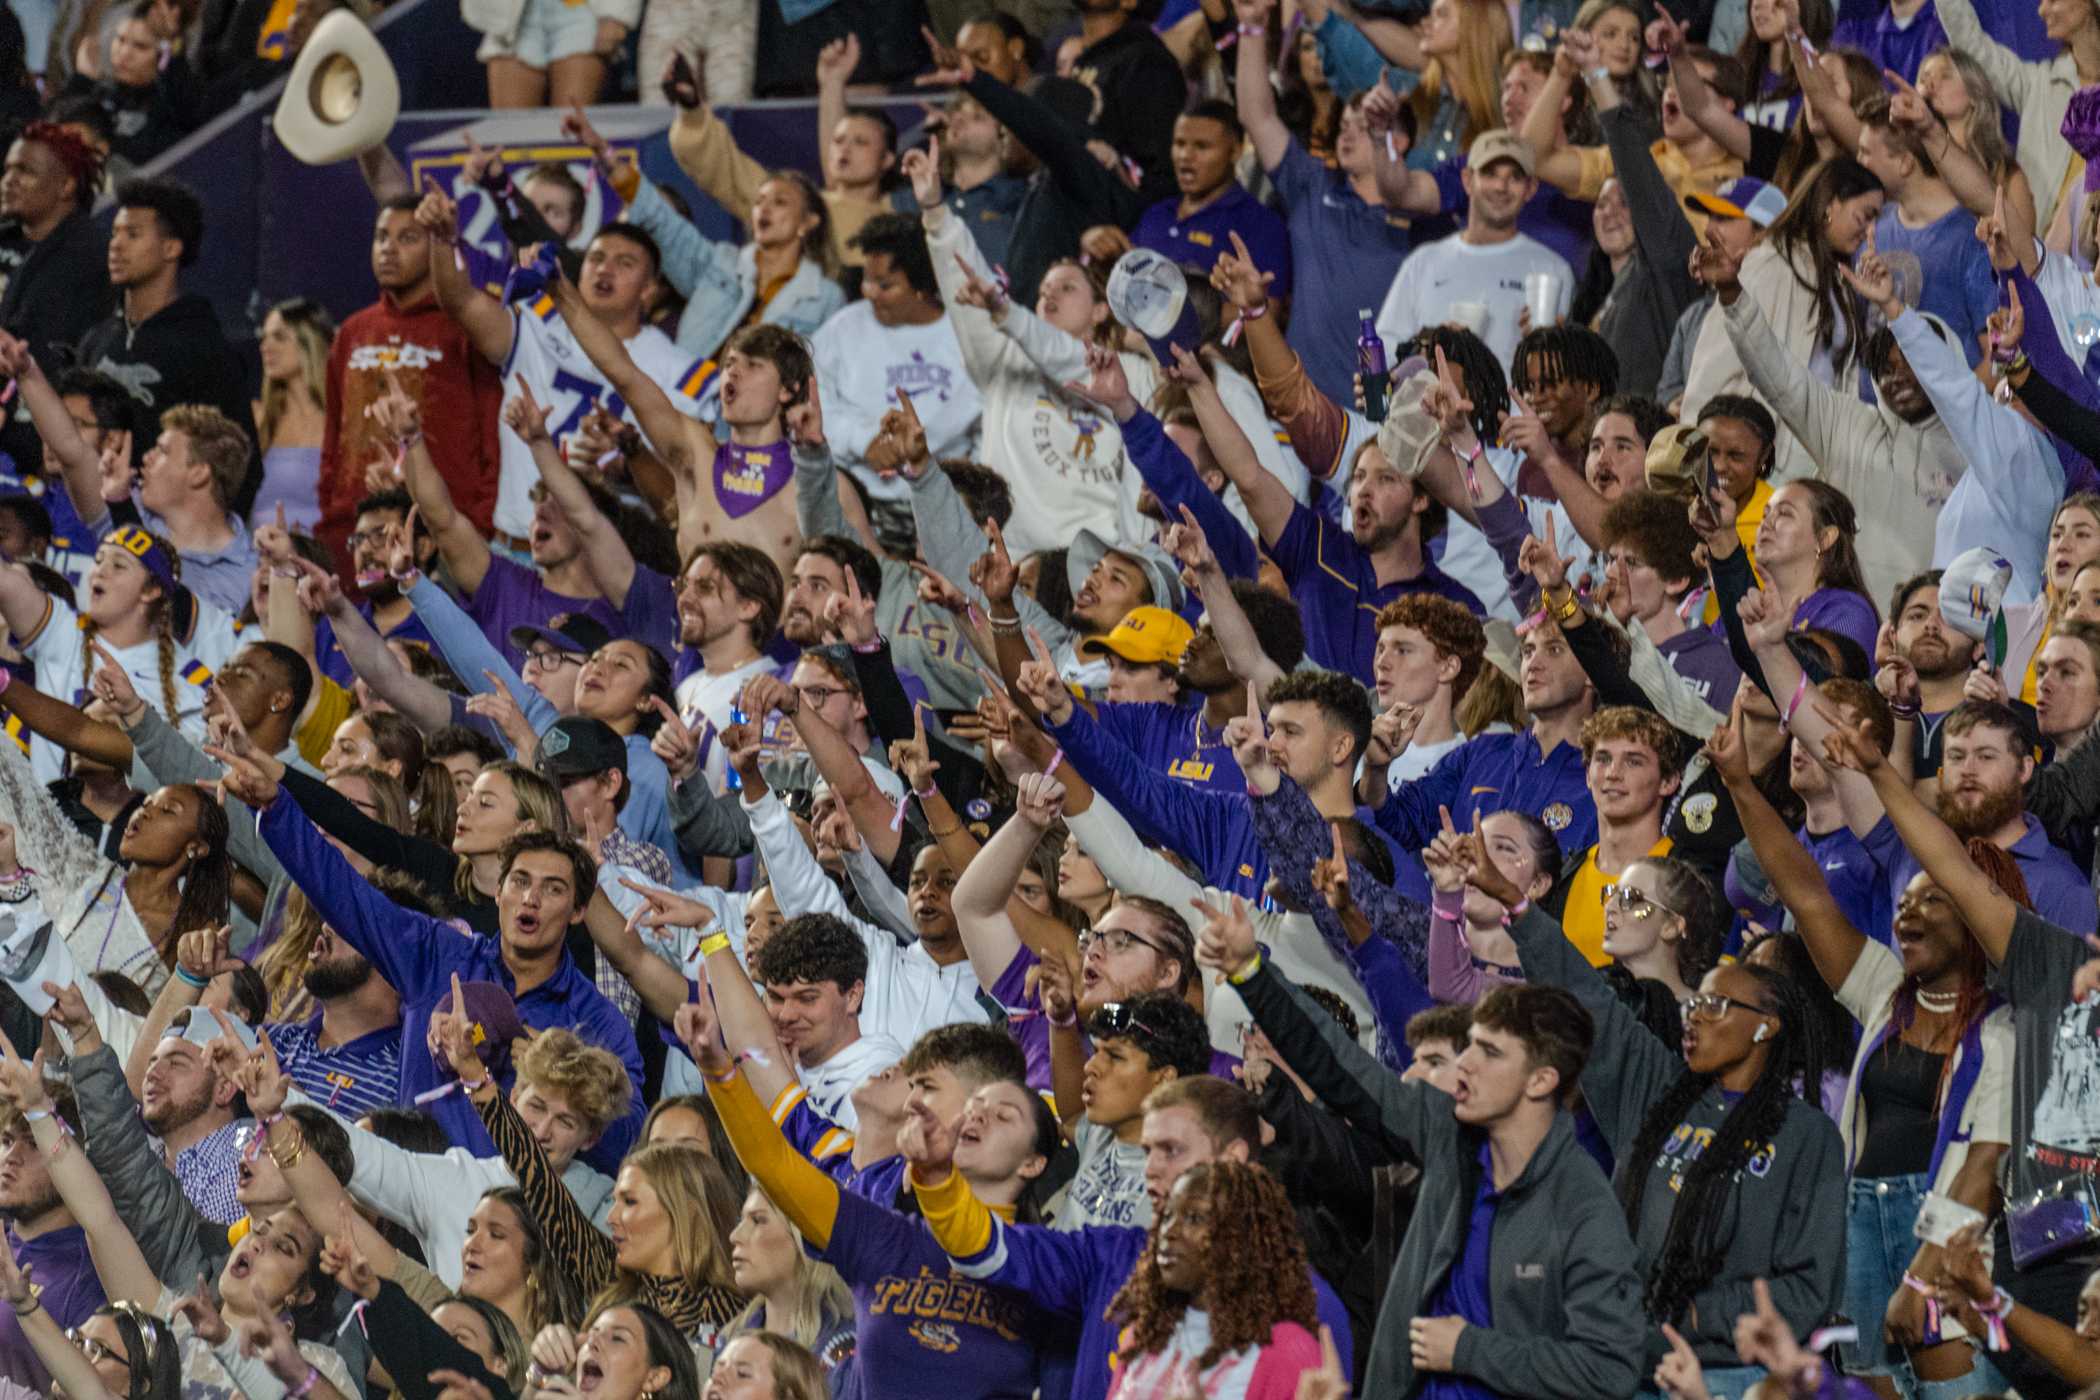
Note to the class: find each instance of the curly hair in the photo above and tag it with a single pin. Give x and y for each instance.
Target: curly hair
(1161, 1026)
(1692, 1248)
(812, 948)
(590, 1080)
(1449, 627)
(1260, 1280)
(1641, 726)
(1655, 529)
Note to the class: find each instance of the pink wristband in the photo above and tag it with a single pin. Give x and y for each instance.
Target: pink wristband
(1051, 767)
(1800, 690)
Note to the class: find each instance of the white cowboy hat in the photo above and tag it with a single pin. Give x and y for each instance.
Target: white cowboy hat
(342, 96)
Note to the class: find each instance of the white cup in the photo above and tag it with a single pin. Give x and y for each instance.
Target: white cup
(1473, 315)
(1542, 295)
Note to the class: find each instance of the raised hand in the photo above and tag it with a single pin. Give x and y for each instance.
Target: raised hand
(804, 419)
(207, 953)
(676, 745)
(851, 614)
(22, 1081)
(681, 83)
(1543, 560)
(343, 1260)
(1055, 981)
(1238, 280)
(1984, 685)
(395, 413)
(1873, 280)
(1848, 747)
(438, 215)
(1725, 751)
(765, 694)
(1449, 857)
(837, 60)
(1330, 875)
(1040, 682)
(202, 1309)
(699, 1031)
(1106, 384)
(1329, 1381)
(1679, 1376)
(1991, 232)
(988, 297)
(922, 167)
(1764, 1338)
(1381, 109)
(1040, 800)
(1446, 401)
(1484, 875)
(1225, 935)
(994, 572)
(1577, 54)
(69, 1013)
(2007, 325)
(747, 749)
(577, 127)
(1189, 545)
(1665, 34)
(903, 436)
(245, 779)
(1392, 730)
(1764, 624)
(1104, 243)
(524, 415)
(1713, 265)
(925, 1141)
(112, 686)
(913, 757)
(936, 590)
(451, 1034)
(269, 1336)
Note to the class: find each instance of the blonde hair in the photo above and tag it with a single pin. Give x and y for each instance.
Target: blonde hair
(539, 807)
(695, 1196)
(821, 1296)
(591, 1081)
(797, 1374)
(313, 331)
(215, 440)
(161, 613)
(1475, 75)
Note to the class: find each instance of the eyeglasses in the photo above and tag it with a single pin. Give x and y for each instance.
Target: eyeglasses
(1712, 1006)
(818, 696)
(1117, 940)
(375, 538)
(1635, 904)
(95, 1351)
(1117, 1019)
(548, 659)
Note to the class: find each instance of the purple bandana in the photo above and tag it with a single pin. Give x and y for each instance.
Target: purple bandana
(151, 556)
(747, 477)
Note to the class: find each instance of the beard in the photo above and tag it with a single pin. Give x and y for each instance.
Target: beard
(339, 978)
(1380, 535)
(31, 1207)
(176, 1113)
(1980, 816)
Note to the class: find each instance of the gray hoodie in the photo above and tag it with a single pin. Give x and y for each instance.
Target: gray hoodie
(1563, 1286)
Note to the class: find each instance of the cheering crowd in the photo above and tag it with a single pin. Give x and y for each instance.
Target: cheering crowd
(1293, 701)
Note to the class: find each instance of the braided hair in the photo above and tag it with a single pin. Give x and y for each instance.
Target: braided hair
(1259, 1280)
(1564, 351)
(1479, 373)
(1692, 1252)
(160, 611)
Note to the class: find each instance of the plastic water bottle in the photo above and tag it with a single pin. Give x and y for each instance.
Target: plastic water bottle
(1370, 367)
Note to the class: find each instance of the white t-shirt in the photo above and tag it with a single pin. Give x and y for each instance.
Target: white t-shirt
(1451, 270)
(58, 649)
(830, 1085)
(1109, 1187)
(1418, 759)
(545, 355)
(706, 698)
(862, 364)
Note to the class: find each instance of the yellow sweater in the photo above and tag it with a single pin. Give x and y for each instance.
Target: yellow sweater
(707, 152)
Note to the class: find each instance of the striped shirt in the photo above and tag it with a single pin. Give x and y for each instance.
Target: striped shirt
(350, 1079)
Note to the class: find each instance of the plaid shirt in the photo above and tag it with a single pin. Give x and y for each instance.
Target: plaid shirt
(210, 1170)
(653, 865)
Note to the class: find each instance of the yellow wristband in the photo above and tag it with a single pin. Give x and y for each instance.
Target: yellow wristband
(1247, 969)
(713, 944)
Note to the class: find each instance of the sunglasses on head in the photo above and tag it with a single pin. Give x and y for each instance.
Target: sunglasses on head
(1118, 1019)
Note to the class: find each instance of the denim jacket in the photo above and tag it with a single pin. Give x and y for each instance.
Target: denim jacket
(720, 280)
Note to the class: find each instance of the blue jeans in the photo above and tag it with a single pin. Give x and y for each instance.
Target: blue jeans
(1732, 1382)
(1878, 1249)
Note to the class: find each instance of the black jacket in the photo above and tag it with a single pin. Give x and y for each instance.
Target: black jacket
(1138, 92)
(177, 355)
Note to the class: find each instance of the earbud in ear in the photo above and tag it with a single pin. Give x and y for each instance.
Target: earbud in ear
(1764, 1032)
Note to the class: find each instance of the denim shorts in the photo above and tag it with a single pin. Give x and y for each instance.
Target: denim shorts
(1722, 1382)
(548, 32)
(1878, 1249)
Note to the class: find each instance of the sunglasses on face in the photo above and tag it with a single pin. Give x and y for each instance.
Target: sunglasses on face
(1636, 905)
